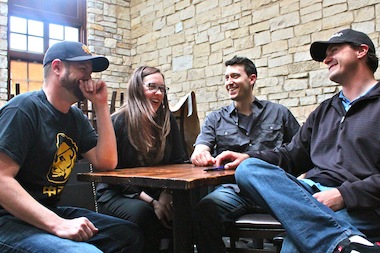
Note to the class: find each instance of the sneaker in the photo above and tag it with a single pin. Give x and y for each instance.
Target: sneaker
(346, 246)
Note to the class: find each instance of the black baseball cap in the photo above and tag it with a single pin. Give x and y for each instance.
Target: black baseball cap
(318, 48)
(75, 52)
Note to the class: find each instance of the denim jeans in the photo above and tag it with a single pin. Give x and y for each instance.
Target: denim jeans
(212, 213)
(115, 235)
(310, 225)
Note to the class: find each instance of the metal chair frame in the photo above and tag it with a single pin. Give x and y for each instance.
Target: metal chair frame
(258, 226)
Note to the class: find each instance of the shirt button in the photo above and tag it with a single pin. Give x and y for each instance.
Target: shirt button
(271, 127)
(250, 144)
(225, 133)
(247, 133)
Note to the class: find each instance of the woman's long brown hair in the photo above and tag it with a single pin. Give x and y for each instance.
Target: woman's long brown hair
(147, 131)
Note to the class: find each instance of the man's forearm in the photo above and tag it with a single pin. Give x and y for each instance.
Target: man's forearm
(105, 150)
(20, 204)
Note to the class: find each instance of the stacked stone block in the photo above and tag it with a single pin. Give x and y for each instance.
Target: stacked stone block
(189, 40)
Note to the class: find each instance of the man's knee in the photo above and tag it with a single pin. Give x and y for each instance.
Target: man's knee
(204, 205)
(246, 167)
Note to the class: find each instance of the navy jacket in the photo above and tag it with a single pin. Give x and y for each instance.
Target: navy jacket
(341, 148)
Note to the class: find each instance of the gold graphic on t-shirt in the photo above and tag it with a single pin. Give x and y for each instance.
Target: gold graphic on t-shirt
(52, 190)
(64, 160)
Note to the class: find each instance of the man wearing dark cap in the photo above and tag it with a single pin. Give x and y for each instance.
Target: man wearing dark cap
(41, 137)
(336, 208)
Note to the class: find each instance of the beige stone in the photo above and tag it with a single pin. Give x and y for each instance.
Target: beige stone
(335, 9)
(263, 14)
(283, 21)
(339, 20)
(189, 40)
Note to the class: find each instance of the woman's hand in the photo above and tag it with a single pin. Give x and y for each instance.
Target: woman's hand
(163, 207)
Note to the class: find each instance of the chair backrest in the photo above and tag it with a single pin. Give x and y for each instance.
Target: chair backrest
(113, 101)
(17, 91)
(186, 114)
(79, 194)
(86, 107)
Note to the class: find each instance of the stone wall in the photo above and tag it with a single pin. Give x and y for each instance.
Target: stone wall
(109, 34)
(189, 40)
(3, 51)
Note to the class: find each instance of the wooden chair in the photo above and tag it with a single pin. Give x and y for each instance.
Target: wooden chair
(79, 194)
(259, 227)
(113, 101)
(17, 91)
(186, 114)
(87, 109)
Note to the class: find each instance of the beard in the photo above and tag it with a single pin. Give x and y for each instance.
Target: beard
(72, 86)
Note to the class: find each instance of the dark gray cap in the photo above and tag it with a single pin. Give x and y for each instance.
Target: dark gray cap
(75, 52)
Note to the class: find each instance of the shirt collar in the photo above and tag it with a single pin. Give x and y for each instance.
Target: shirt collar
(347, 103)
(256, 105)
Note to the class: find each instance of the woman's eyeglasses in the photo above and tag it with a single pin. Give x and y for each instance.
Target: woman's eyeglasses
(152, 87)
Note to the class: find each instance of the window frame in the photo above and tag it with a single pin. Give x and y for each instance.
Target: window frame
(39, 10)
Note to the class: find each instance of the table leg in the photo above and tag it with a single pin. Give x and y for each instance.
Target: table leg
(182, 229)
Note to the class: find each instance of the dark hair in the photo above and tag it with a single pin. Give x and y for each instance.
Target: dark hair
(372, 60)
(249, 66)
(47, 69)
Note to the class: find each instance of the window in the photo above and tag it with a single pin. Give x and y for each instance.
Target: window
(35, 25)
(28, 34)
(29, 74)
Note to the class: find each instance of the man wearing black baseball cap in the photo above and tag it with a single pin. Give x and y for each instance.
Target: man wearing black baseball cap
(75, 52)
(336, 208)
(318, 48)
(41, 137)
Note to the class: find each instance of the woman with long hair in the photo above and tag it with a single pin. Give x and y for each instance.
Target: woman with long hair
(147, 134)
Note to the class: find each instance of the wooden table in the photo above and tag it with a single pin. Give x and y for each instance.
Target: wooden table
(180, 179)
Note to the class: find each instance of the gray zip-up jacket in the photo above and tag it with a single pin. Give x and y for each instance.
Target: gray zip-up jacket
(341, 149)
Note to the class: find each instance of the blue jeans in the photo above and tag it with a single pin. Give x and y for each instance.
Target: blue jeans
(310, 225)
(115, 235)
(213, 213)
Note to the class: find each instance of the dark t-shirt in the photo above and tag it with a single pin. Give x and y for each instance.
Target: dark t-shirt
(127, 158)
(127, 154)
(44, 142)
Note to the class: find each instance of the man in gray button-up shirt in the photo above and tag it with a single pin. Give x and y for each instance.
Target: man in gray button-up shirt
(247, 124)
